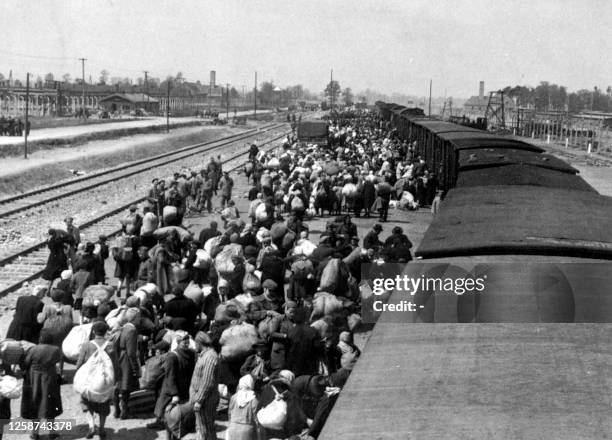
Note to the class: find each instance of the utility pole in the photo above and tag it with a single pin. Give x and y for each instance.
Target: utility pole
(331, 88)
(168, 109)
(83, 72)
(27, 103)
(147, 89)
(430, 81)
(227, 101)
(243, 96)
(255, 108)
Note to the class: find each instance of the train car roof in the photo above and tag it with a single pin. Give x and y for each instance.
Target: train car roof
(438, 127)
(477, 381)
(488, 157)
(520, 219)
(479, 139)
(521, 174)
(412, 111)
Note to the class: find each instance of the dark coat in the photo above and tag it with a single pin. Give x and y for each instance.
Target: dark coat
(128, 359)
(371, 241)
(24, 326)
(369, 194)
(305, 348)
(178, 368)
(57, 261)
(41, 396)
(207, 234)
(182, 307)
(273, 268)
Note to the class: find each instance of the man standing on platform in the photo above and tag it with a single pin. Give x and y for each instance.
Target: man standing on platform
(226, 184)
(203, 392)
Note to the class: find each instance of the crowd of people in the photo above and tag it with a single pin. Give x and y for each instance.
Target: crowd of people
(13, 127)
(253, 318)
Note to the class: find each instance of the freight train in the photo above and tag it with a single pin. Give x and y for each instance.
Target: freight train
(528, 358)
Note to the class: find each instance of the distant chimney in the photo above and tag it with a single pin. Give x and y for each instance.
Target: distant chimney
(213, 74)
(481, 90)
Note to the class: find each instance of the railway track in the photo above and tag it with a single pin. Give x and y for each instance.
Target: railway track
(32, 199)
(28, 264)
(27, 227)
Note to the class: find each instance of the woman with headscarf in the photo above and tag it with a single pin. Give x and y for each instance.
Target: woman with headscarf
(24, 326)
(161, 259)
(84, 275)
(56, 320)
(41, 397)
(242, 412)
(57, 261)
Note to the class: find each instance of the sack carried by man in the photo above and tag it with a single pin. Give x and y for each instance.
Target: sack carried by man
(180, 419)
(74, 342)
(274, 414)
(95, 380)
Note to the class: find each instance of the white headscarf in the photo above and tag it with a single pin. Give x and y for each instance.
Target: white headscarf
(245, 391)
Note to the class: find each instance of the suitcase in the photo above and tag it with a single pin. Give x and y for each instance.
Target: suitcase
(141, 401)
(180, 419)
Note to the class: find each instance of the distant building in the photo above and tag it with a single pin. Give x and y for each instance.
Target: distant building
(127, 102)
(477, 105)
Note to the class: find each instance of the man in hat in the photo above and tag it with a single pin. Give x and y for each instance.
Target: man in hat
(203, 391)
(178, 368)
(310, 390)
(154, 367)
(226, 184)
(383, 192)
(99, 330)
(258, 363)
(74, 236)
(208, 233)
(371, 240)
(153, 196)
(305, 345)
(101, 252)
(133, 222)
(127, 352)
(145, 267)
(280, 340)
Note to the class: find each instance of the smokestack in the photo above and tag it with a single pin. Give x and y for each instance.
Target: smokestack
(212, 79)
(481, 90)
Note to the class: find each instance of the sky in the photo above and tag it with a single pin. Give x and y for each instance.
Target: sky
(393, 46)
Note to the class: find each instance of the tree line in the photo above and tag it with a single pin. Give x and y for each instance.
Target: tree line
(553, 97)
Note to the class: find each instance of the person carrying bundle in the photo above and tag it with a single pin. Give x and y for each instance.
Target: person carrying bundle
(90, 406)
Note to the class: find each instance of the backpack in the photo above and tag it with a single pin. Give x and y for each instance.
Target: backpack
(95, 380)
(274, 414)
(78, 336)
(301, 268)
(261, 214)
(297, 203)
